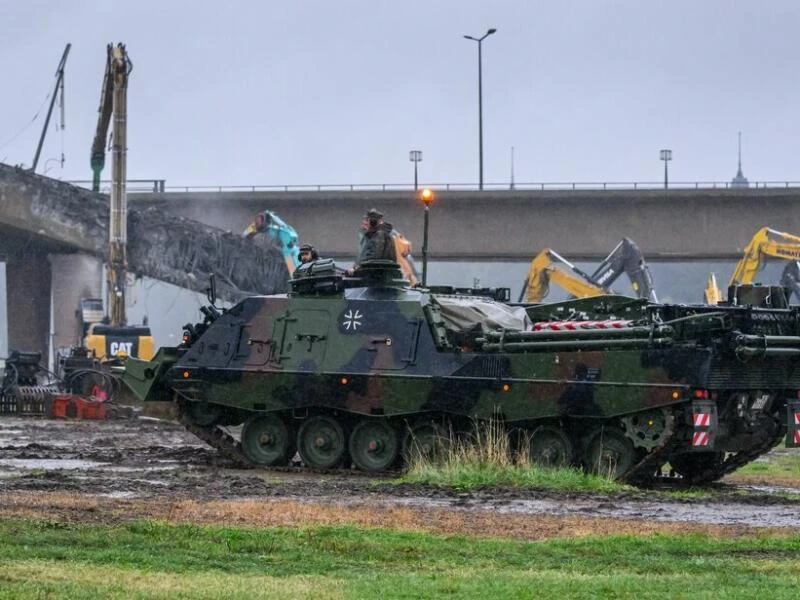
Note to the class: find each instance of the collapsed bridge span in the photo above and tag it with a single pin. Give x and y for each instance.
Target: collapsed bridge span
(41, 218)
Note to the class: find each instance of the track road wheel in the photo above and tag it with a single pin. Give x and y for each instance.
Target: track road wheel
(266, 440)
(609, 453)
(373, 445)
(550, 447)
(321, 442)
(425, 441)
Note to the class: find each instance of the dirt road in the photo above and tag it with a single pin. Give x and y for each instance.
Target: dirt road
(117, 470)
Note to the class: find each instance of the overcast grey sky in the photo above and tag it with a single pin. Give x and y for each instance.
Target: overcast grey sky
(338, 91)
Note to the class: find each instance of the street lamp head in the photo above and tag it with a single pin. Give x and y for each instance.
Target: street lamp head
(415, 155)
(666, 154)
(491, 31)
(469, 37)
(426, 196)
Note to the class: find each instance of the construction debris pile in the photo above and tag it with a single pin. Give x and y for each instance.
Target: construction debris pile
(160, 246)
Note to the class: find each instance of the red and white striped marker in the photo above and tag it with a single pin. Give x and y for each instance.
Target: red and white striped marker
(579, 325)
(702, 419)
(797, 436)
(700, 438)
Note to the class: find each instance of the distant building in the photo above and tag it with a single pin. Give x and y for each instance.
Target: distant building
(740, 181)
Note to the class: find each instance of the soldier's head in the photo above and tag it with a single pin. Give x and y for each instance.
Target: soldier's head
(372, 218)
(308, 253)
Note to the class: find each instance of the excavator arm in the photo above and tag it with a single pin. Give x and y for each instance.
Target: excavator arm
(712, 293)
(118, 68)
(402, 247)
(790, 279)
(281, 233)
(766, 243)
(626, 258)
(98, 153)
(549, 266)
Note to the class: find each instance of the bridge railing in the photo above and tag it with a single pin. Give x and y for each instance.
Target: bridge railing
(159, 186)
(132, 185)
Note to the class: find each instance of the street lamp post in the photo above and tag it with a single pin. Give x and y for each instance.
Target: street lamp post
(427, 197)
(415, 156)
(480, 102)
(666, 156)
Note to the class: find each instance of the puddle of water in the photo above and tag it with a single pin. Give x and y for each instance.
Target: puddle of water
(14, 442)
(50, 464)
(770, 489)
(152, 469)
(118, 495)
(716, 513)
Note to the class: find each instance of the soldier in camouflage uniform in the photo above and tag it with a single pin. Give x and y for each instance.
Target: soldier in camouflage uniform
(375, 240)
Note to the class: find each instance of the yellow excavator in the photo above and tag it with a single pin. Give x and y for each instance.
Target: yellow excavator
(111, 337)
(766, 243)
(550, 267)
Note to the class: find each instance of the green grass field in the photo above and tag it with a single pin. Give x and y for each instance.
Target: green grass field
(156, 560)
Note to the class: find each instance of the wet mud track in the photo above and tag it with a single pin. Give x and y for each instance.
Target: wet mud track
(141, 466)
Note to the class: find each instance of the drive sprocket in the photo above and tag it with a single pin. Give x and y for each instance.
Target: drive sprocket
(649, 430)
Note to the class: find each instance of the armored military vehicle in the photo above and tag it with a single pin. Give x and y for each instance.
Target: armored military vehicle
(364, 370)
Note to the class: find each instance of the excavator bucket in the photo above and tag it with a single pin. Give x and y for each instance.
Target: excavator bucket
(712, 293)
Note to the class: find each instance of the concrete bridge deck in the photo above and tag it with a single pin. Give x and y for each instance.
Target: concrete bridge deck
(513, 224)
(670, 226)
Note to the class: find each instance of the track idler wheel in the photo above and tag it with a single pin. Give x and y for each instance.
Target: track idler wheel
(321, 442)
(266, 440)
(550, 447)
(609, 453)
(373, 445)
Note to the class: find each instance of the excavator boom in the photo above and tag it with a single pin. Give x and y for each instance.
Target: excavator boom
(402, 247)
(98, 153)
(118, 67)
(549, 266)
(281, 233)
(765, 243)
(626, 258)
(113, 337)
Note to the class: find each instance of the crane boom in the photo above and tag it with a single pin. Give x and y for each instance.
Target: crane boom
(59, 87)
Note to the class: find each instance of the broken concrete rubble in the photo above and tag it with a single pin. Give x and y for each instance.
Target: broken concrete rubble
(160, 246)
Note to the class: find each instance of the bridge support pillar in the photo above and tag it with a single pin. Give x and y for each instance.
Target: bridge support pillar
(28, 300)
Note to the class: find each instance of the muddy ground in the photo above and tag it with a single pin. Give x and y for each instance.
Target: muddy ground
(112, 471)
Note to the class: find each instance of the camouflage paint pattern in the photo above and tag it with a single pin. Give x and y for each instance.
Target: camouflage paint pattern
(362, 348)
